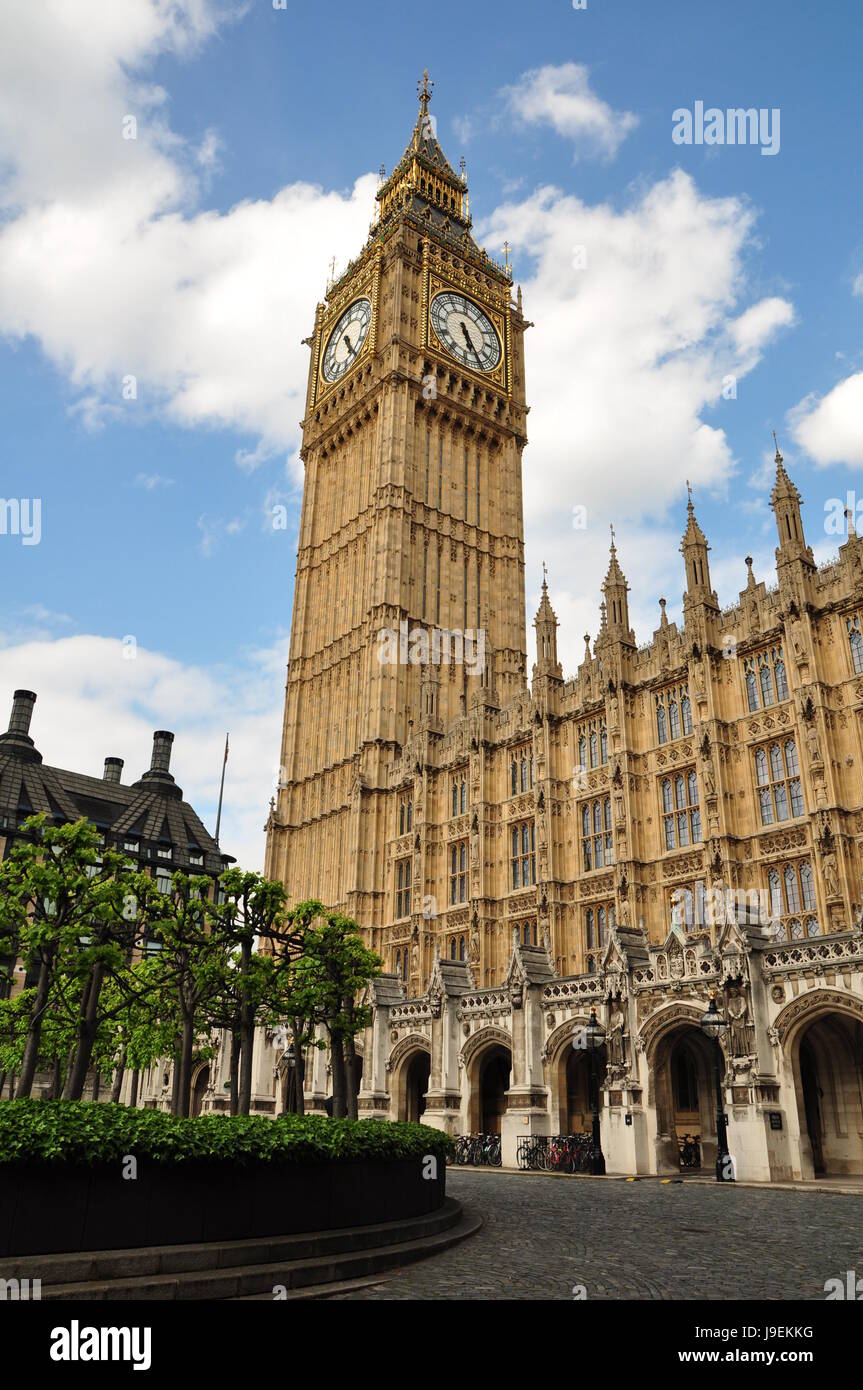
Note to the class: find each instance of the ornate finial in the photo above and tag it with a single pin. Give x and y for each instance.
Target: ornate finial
(663, 619)
(424, 92)
(382, 175)
(849, 518)
(332, 276)
(506, 248)
(544, 575)
(462, 168)
(611, 528)
(776, 442)
(689, 492)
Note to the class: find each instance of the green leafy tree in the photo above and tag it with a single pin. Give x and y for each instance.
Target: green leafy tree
(62, 901)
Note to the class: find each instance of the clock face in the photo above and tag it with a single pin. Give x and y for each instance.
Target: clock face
(465, 331)
(346, 339)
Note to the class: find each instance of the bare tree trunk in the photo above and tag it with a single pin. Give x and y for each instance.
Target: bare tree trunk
(87, 1029)
(57, 1079)
(300, 1072)
(235, 1072)
(117, 1084)
(34, 1029)
(337, 1054)
(133, 1094)
(184, 1099)
(247, 1052)
(175, 1082)
(2, 1083)
(351, 1080)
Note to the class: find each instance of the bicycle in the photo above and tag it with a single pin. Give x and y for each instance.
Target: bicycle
(690, 1151)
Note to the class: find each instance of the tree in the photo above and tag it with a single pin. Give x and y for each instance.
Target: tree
(253, 911)
(61, 895)
(323, 976)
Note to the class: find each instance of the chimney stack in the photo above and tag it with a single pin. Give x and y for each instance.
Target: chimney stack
(113, 769)
(22, 712)
(161, 760)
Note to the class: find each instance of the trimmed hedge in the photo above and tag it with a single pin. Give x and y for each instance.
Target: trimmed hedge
(82, 1133)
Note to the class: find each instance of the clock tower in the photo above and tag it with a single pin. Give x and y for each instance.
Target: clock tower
(409, 600)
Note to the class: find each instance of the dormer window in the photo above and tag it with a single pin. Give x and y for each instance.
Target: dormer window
(164, 851)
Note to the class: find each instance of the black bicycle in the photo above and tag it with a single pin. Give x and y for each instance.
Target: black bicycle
(690, 1151)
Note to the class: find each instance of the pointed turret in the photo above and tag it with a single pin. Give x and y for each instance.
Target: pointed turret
(615, 604)
(694, 549)
(546, 625)
(424, 181)
(786, 502)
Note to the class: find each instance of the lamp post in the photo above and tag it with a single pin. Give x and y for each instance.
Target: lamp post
(594, 1037)
(713, 1023)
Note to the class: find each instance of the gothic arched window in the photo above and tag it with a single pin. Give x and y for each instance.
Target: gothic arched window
(455, 798)
(593, 748)
(751, 689)
(781, 680)
(792, 893)
(775, 889)
(461, 948)
(766, 683)
(686, 714)
(807, 885)
(673, 719)
(661, 725)
(589, 929)
(524, 774)
(603, 745)
(514, 777)
(582, 752)
(463, 798)
(855, 641)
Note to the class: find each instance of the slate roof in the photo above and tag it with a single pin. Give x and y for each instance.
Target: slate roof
(151, 810)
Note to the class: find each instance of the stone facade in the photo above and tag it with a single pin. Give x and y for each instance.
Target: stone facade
(679, 818)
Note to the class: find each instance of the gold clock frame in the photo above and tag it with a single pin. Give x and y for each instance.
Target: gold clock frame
(364, 286)
(437, 279)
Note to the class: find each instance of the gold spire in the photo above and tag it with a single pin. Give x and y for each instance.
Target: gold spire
(424, 92)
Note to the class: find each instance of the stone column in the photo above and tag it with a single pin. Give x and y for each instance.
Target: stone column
(527, 1100)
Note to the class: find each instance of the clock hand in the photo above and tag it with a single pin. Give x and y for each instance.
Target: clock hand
(348, 341)
(469, 340)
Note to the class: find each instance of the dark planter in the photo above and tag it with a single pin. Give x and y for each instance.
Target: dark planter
(52, 1210)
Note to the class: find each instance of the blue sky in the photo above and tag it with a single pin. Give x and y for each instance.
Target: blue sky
(193, 257)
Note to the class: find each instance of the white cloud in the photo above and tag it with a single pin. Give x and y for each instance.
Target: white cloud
(857, 286)
(104, 258)
(561, 97)
(151, 481)
(830, 428)
(92, 703)
(625, 367)
(758, 324)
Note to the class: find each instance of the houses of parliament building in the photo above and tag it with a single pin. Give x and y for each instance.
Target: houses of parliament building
(680, 819)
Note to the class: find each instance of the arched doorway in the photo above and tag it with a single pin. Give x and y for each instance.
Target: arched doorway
(827, 1062)
(584, 1076)
(494, 1073)
(417, 1076)
(683, 1078)
(199, 1090)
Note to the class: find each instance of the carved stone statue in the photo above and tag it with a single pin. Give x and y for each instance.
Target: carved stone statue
(708, 778)
(812, 746)
(616, 1048)
(831, 876)
(738, 1030)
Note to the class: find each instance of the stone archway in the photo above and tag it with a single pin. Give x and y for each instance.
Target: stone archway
(410, 1066)
(199, 1090)
(682, 1086)
(573, 1075)
(823, 1044)
(487, 1061)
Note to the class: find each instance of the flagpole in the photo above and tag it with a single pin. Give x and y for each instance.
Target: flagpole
(222, 790)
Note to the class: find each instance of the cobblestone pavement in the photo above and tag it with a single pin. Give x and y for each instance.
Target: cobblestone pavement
(543, 1235)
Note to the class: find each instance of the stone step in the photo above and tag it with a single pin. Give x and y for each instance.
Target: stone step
(361, 1255)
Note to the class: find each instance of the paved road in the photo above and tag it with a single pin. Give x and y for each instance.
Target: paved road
(544, 1234)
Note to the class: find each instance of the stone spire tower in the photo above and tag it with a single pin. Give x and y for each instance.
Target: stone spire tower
(785, 501)
(694, 549)
(546, 626)
(615, 625)
(410, 562)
